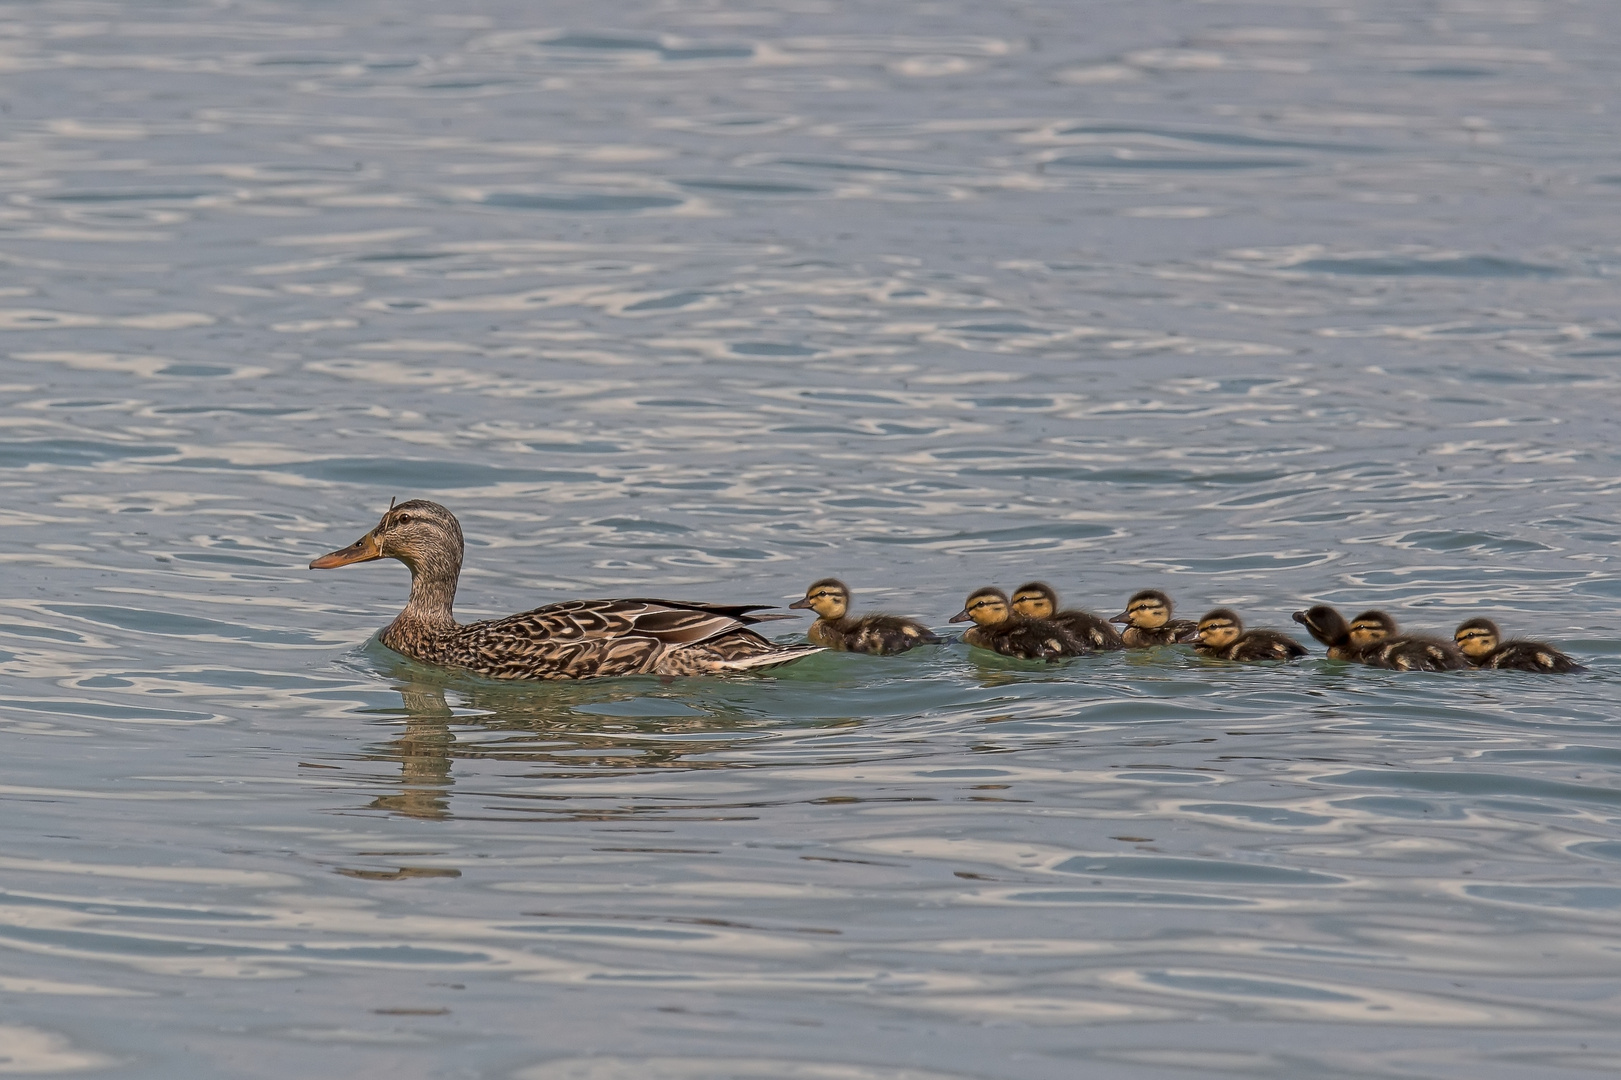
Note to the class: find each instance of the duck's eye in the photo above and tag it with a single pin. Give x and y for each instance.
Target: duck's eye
(403, 519)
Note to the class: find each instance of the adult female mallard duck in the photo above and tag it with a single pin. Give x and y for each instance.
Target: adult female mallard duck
(1221, 636)
(879, 635)
(577, 639)
(1381, 643)
(996, 628)
(1149, 623)
(1037, 600)
(1479, 640)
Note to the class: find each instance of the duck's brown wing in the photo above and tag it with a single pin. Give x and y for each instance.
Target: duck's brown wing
(672, 622)
(580, 639)
(740, 650)
(743, 613)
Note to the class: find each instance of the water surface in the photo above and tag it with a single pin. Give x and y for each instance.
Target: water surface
(1265, 305)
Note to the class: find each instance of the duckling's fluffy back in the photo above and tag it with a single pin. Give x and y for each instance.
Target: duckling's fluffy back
(876, 635)
(1027, 639)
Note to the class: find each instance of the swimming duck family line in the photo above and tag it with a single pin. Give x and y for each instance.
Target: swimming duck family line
(582, 639)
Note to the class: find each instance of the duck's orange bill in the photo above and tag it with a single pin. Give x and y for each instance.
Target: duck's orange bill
(363, 550)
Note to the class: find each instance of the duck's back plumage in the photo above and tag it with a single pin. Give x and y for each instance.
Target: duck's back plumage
(580, 639)
(876, 635)
(1530, 656)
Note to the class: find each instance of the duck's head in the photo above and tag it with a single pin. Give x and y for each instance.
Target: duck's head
(985, 607)
(1477, 638)
(1325, 624)
(1035, 600)
(421, 534)
(1147, 610)
(1370, 628)
(1217, 629)
(829, 598)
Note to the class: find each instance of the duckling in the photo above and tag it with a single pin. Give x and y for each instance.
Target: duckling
(880, 635)
(1149, 623)
(996, 628)
(1036, 600)
(1330, 628)
(1479, 641)
(1376, 636)
(1221, 635)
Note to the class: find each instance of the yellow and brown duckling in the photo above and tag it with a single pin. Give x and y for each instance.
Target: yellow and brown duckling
(879, 635)
(577, 639)
(1381, 643)
(1220, 635)
(998, 629)
(1149, 623)
(1037, 600)
(1479, 640)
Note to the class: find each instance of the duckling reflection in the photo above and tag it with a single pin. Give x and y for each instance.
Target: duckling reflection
(1037, 600)
(561, 731)
(1480, 641)
(1149, 623)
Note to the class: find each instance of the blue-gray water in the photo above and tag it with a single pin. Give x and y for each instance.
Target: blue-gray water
(1263, 304)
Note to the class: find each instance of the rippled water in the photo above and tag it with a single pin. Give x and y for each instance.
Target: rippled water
(1263, 304)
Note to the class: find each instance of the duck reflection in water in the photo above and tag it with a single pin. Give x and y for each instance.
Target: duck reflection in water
(568, 731)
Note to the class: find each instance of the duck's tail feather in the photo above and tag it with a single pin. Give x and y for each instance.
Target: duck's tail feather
(784, 655)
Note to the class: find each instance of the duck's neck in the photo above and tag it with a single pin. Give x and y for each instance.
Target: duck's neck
(427, 613)
(432, 595)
